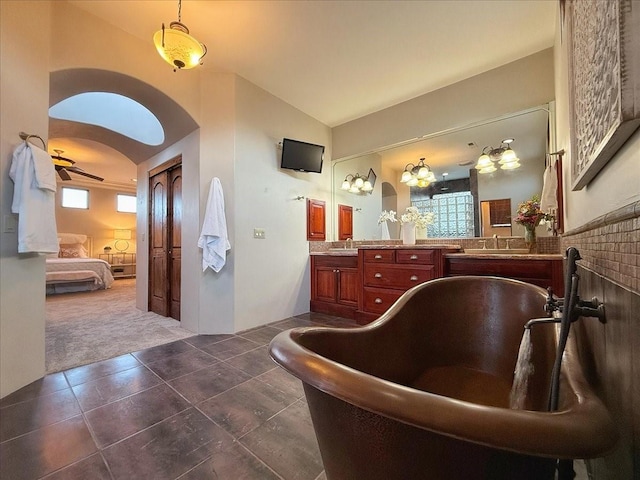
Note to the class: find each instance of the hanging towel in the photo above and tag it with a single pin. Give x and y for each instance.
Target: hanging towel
(33, 175)
(549, 199)
(213, 238)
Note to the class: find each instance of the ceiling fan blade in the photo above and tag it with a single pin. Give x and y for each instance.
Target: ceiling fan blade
(64, 175)
(79, 171)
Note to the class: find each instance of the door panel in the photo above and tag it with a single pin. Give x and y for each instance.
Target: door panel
(175, 237)
(157, 242)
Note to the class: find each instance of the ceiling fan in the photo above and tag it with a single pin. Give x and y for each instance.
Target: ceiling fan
(65, 165)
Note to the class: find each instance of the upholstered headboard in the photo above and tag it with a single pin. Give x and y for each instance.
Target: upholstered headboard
(75, 245)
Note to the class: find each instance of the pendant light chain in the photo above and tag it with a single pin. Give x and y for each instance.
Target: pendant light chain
(180, 11)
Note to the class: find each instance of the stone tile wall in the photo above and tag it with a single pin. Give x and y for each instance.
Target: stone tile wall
(610, 353)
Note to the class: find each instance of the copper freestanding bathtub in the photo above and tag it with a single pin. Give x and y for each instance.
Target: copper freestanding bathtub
(423, 392)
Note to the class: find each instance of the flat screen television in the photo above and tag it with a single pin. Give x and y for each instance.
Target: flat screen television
(301, 156)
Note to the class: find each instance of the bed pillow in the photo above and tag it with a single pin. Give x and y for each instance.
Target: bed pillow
(71, 238)
(73, 250)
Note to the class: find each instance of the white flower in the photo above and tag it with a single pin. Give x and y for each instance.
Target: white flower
(384, 216)
(413, 215)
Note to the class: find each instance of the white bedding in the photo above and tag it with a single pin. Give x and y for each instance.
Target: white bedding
(77, 274)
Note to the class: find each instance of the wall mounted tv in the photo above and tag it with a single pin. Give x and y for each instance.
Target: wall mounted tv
(301, 156)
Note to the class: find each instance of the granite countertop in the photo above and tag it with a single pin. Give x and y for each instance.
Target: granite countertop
(521, 256)
(346, 252)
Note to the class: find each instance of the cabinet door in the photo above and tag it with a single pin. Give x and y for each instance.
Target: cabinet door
(348, 286)
(316, 220)
(325, 284)
(345, 222)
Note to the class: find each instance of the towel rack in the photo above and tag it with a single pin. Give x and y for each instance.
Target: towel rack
(26, 136)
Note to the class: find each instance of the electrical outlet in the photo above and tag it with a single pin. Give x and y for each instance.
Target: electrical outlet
(258, 233)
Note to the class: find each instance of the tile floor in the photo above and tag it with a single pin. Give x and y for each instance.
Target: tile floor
(208, 406)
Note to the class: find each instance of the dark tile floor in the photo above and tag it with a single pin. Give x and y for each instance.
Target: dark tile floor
(209, 406)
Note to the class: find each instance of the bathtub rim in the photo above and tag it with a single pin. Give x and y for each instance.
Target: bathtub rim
(583, 430)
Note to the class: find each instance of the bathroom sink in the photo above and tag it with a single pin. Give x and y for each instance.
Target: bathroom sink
(343, 251)
(499, 251)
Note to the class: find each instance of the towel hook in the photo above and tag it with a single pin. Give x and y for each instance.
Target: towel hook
(26, 136)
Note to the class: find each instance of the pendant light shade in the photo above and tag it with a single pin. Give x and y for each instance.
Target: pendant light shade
(177, 47)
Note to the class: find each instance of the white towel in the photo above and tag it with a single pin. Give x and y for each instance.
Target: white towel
(34, 199)
(549, 199)
(213, 238)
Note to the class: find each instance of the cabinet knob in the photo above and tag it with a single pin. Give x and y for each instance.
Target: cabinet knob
(413, 257)
(378, 257)
(378, 275)
(413, 278)
(378, 300)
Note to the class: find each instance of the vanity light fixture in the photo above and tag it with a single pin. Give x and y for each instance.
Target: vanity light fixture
(177, 47)
(504, 155)
(356, 184)
(419, 175)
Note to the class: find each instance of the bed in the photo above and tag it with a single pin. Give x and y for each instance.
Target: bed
(73, 269)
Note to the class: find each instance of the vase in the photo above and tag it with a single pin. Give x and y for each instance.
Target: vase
(421, 233)
(409, 233)
(530, 239)
(385, 231)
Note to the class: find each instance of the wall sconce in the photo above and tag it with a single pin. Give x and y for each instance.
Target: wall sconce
(177, 47)
(504, 155)
(122, 236)
(419, 175)
(356, 184)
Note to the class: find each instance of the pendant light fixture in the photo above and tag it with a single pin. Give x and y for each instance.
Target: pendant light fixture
(177, 47)
(504, 155)
(419, 175)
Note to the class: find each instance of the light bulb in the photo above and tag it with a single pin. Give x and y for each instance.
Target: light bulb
(367, 187)
(508, 156)
(359, 182)
(406, 176)
(423, 172)
(346, 185)
(484, 161)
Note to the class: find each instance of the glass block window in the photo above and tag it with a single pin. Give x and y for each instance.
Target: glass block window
(454, 214)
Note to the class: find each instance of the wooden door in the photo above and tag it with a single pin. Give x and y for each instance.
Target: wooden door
(165, 238)
(158, 248)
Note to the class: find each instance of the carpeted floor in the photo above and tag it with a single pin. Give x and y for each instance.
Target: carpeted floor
(87, 327)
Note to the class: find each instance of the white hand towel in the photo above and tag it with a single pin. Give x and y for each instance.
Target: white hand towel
(45, 177)
(549, 199)
(35, 206)
(213, 238)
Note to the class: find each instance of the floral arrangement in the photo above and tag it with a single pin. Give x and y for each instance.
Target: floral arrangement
(413, 215)
(384, 216)
(530, 215)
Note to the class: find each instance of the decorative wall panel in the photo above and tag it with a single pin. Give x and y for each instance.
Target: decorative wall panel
(604, 81)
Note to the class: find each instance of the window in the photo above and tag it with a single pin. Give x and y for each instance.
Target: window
(126, 203)
(75, 198)
(454, 214)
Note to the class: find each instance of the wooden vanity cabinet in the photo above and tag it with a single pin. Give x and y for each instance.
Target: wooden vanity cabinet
(334, 285)
(544, 272)
(387, 273)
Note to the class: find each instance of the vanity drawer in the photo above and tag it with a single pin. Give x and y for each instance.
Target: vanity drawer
(379, 256)
(378, 300)
(418, 257)
(397, 276)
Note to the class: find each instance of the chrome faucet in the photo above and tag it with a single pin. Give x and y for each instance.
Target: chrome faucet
(348, 242)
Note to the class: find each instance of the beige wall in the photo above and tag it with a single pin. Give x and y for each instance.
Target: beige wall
(99, 221)
(514, 87)
(24, 96)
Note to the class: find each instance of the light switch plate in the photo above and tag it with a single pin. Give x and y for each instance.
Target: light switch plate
(9, 224)
(258, 233)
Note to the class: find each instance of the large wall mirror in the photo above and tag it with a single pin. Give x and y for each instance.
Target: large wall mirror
(452, 155)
